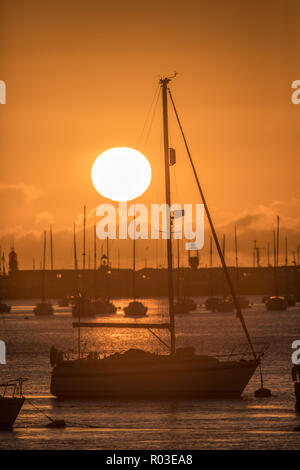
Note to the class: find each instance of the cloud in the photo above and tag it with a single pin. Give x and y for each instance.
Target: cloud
(43, 219)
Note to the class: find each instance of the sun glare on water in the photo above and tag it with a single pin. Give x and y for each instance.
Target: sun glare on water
(121, 174)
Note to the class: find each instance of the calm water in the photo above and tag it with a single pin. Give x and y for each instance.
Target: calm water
(246, 423)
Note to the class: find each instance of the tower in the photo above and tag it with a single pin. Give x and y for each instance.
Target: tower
(12, 261)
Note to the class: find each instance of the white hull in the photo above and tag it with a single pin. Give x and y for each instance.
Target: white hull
(169, 378)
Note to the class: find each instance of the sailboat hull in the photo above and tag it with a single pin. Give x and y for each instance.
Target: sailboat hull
(166, 379)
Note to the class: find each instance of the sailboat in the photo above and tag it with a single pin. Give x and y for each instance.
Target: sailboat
(10, 404)
(242, 300)
(136, 373)
(276, 302)
(102, 306)
(82, 306)
(44, 308)
(183, 304)
(135, 308)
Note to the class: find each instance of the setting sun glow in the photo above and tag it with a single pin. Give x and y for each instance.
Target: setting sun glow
(121, 174)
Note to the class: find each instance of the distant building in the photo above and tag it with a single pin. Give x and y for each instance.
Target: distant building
(12, 261)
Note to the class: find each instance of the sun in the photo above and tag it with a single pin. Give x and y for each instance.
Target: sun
(121, 174)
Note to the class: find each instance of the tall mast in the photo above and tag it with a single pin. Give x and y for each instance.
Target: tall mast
(84, 224)
(133, 261)
(277, 243)
(95, 263)
(75, 249)
(164, 84)
(51, 248)
(236, 261)
(178, 271)
(44, 268)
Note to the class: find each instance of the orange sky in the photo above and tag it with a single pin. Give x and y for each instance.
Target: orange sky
(80, 78)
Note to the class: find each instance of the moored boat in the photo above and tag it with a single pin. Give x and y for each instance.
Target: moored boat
(276, 303)
(135, 309)
(4, 308)
(10, 403)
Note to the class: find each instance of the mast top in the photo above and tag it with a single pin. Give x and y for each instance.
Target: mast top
(166, 80)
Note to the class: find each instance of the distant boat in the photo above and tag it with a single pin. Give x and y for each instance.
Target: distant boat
(276, 303)
(103, 307)
(183, 305)
(44, 308)
(4, 308)
(212, 303)
(225, 305)
(10, 405)
(135, 308)
(82, 307)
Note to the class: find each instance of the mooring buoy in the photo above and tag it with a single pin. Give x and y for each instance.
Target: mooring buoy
(262, 393)
(56, 423)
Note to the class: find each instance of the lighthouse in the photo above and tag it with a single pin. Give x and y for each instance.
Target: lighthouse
(12, 261)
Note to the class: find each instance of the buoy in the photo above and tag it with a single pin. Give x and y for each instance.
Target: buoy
(262, 393)
(56, 423)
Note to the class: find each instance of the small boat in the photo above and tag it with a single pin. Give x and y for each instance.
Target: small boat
(276, 303)
(4, 308)
(226, 305)
(135, 309)
(103, 307)
(83, 307)
(43, 309)
(212, 303)
(10, 405)
(242, 301)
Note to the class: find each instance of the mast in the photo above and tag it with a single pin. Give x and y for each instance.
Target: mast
(164, 84)
(178, 271)
(44, 268)
(133, 261)
(82, 298)
(277, 243)
(95, 263)
(210, 253)
(275, 264)
(51, 248)
(236, 261)
(84, 224)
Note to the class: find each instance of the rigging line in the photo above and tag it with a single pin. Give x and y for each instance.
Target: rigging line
(148, 115)
(152, 119)
(230, 285)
